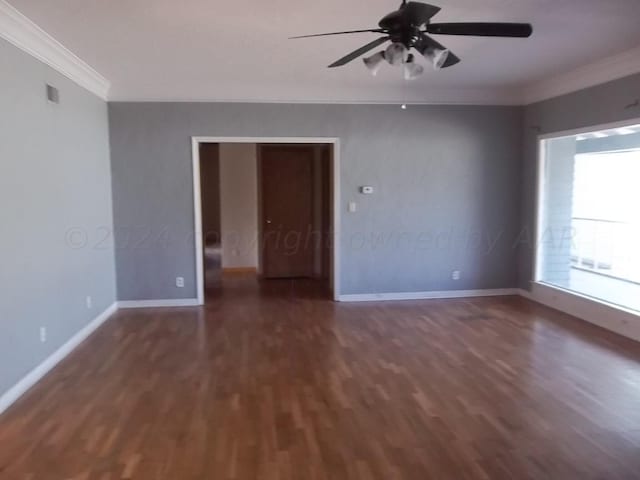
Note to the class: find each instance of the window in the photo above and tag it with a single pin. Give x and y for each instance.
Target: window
(589, 214)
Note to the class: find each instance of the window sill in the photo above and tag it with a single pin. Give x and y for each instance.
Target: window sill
(582, 296)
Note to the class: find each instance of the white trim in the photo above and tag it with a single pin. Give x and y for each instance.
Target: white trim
(283, 140)
(26, 35)
(459, 97)
(589, 129)
(540, 169)
(603, 71)
(610, 317)
(584, 296)
(539, 206)
(197, 219)
(449, 294)
(35, 375)
(181, 302)
(337, 219)
(197, 201)
(526, 294)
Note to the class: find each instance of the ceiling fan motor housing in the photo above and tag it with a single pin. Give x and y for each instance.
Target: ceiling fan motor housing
(404, 25)
(408, 37)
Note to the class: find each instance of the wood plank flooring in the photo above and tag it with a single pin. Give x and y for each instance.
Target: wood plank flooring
(275, 382)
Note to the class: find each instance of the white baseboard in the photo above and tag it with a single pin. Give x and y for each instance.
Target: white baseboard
(19, 389)
(526, 294)
(385, 297)
(180, 302)
(610, 317)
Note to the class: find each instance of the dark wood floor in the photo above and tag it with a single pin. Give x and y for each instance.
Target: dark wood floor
(277, 382)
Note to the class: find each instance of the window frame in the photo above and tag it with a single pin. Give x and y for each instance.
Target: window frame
(541, 160)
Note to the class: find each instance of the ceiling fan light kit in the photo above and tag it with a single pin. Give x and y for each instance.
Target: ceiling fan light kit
(374, 62)
(396, 54)
(437, 56)
(412, 70)
(407, 28)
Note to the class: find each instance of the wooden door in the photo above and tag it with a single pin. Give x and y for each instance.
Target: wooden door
(286, 189)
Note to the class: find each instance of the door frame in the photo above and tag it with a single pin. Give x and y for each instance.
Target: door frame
(197, 200)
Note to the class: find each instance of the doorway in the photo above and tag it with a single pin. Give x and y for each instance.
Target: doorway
(295, 200)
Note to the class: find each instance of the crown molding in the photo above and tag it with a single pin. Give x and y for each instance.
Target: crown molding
(436, 96)
(612, 68)
(26, 35)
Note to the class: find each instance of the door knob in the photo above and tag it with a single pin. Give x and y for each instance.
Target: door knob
(269, 221)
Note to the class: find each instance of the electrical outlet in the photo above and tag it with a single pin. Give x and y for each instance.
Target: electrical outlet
(180, 282)
(455, 275)
(43, 334)
(89, 302)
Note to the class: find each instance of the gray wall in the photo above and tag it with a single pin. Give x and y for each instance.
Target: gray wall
(55, 210)
(607, 103)
(446, 179)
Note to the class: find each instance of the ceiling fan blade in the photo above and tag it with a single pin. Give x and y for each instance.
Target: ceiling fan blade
(519, 30)
(418, 13)
(361, 51)
(425, 42)
(375, 30)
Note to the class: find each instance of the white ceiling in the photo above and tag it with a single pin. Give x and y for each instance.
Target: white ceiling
(238, 50)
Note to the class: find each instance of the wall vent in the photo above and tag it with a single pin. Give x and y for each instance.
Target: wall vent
(52, 94)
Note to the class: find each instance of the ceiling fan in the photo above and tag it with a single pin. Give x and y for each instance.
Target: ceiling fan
(407, 28)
